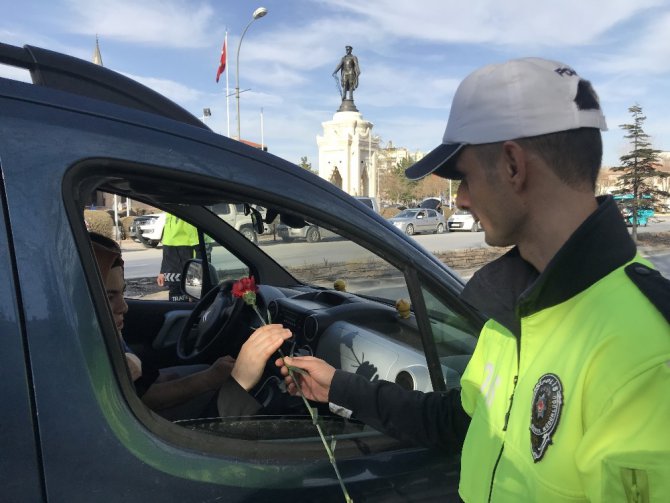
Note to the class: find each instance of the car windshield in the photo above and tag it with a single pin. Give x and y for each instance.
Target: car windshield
(322, 259)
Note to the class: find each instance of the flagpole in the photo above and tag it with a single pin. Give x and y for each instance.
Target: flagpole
(262, 138)
(227, 90)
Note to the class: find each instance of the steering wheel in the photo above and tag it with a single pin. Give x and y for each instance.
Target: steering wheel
(209, 320)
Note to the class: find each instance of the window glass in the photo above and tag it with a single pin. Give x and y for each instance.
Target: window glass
(318, 256)
(227, 265)
(454, 334)
(140, 236)
(343, 306)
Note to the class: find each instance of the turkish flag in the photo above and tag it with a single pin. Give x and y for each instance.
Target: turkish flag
(222, 64)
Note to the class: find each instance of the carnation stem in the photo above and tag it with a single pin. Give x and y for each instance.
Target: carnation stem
(331, 455)
(260, 317)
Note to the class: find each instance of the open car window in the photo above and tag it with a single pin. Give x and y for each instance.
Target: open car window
(343, 302)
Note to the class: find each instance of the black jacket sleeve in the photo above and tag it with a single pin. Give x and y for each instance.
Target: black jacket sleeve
(435, 420)
(148, 377)
(234, 400)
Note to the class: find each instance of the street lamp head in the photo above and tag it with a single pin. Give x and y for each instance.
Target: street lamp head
(260, 12)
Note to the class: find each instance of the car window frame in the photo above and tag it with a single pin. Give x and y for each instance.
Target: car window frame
(107, 329)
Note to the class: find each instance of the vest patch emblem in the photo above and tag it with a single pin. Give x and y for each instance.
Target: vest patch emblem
(545, 413)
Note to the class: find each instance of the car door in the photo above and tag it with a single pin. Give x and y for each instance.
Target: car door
(19, 463)
(89, 419)
(422, 220)
(432, 220)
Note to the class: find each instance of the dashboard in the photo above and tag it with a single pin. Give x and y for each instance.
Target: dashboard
(355, 334)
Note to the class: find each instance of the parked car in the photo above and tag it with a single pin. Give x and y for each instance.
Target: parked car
(434, 203)
(311, 233)
(416, 220)
(74, 428)
(463, 220)
(370, 202)
(148, 229)
(240, 216)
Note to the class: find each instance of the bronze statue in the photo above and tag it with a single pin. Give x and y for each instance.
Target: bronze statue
(349, 74)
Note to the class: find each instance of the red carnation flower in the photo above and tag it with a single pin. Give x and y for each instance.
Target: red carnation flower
(245, 289)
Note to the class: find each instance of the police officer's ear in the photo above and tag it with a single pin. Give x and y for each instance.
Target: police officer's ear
(515, 164)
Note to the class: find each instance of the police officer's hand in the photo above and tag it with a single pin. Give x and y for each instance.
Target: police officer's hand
(160, 280)
(314, 381)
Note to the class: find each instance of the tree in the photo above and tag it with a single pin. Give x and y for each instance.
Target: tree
(638, 169)
(305, 164)
(395, 186)
(435, 186)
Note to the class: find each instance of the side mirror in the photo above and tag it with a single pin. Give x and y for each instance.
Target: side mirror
(192, 278)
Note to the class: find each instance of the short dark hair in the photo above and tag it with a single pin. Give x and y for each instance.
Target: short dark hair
(574, 155)
(110, 246)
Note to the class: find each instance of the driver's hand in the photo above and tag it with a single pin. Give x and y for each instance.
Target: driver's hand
(219, 372)
(256, 352)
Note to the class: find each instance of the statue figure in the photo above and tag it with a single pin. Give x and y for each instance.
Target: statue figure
(349, 73)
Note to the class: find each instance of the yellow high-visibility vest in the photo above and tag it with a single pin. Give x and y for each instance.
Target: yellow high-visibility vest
(577, 408)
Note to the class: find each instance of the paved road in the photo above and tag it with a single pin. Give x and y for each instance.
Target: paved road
(661, 259)
(144, 262)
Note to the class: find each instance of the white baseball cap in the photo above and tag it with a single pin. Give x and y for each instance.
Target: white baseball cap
(520, 98)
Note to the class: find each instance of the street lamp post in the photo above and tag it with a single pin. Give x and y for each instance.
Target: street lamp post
(258, 13)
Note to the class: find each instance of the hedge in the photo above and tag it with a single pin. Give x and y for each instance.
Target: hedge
(99, 221)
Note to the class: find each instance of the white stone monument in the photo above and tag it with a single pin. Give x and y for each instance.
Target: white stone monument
(347, 154)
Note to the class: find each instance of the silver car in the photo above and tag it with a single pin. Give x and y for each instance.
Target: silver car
(415, 220)
(311, 233)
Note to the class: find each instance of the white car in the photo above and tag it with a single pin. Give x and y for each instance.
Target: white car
(148, 229)
(462, 220)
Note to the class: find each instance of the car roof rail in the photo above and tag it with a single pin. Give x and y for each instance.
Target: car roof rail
(66, 73)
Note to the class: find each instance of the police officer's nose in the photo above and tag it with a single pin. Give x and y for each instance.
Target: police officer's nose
(462, 197)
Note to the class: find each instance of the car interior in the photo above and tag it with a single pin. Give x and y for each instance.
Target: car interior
(338, 298)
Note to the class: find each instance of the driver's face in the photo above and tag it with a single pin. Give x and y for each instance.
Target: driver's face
(115, 286)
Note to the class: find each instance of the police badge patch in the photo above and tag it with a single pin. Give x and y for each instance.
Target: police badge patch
(545, 413)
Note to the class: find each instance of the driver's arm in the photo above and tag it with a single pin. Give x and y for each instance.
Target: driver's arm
(163, 394)
(234, 398)
(246, 372)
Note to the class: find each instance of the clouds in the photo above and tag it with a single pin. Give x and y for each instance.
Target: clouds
(176, 23)
(517, 22)
(175, 91)
(648, 53)
(412, 56)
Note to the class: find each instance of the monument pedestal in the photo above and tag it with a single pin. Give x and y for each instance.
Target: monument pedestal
(347, 106)
(347, 151)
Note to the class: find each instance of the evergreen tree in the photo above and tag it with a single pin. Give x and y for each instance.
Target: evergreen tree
(638, 169)
(305, 164)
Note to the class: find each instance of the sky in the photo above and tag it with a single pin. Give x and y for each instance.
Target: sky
(412, 56)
